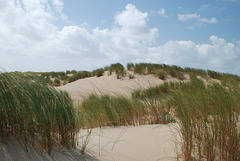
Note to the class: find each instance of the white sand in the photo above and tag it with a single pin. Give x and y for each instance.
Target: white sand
(134, 143)
(110, 85)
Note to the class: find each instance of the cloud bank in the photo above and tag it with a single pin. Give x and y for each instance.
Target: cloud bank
(30, 40)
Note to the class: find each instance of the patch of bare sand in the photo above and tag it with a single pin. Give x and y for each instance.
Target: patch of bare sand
(109, 84)
(134, 143)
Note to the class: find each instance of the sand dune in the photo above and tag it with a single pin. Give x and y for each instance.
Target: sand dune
(139, 143)
(110, 85)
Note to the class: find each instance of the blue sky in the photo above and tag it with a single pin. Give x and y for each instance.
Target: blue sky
(58, 35)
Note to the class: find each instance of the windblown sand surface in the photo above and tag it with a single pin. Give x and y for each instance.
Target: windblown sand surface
(110, 85)
(134, 143)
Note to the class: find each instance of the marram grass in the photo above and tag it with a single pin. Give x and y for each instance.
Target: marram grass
(35, 113)
(209, 121)
(98, 111)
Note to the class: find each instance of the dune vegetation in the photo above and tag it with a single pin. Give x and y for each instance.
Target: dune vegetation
(35, 113)
(206, 108)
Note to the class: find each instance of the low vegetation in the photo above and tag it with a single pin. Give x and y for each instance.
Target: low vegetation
(35, 113)
(98, 111)
(209, 120)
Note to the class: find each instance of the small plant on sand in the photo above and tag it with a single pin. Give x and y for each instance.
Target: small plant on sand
(131, 76)
(56, 82)
(130, 66)
(98, 72)
(161, 74)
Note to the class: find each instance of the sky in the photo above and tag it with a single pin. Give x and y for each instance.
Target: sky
(60, 35)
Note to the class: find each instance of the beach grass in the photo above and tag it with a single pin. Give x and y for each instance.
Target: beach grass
(99, 111)
(209, 120)
(35, 113)
(207, 113)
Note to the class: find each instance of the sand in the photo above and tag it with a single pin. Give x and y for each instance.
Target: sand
(133, 143)
(109, 84)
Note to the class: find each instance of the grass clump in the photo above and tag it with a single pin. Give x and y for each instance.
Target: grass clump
(118, 69)
(161, 74)
(79, 75)
(209, 121)
(214, 75)
(35, 113)
(98, 111)
(160, 90)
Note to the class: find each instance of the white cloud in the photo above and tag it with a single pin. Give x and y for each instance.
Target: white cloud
(29, 40)
(186, 17)
(131, 17)
(216, 55)
(162, 12)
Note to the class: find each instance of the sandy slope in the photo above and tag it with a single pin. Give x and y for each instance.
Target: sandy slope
(110, 85)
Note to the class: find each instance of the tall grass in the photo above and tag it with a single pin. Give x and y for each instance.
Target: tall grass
(35, 113)
(157, 91)
(209, 121)
(98, 111)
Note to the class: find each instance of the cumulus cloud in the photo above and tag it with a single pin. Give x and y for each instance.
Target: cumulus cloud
(131, 17)
(217, 55)
(186, 17)
(29, 40)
